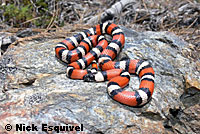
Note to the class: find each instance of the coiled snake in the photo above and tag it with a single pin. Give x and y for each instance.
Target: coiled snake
(84, 48)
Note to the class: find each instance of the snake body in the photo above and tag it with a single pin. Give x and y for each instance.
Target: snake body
(84, 48)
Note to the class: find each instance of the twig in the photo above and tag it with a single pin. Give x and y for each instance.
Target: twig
(184, 30)
(171, 25)
(191, 24)
(145, 6)
(111, 12)
(51, 21)
(30, 20)
(140, 19)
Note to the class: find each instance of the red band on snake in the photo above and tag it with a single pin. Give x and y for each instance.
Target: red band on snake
(83, 49)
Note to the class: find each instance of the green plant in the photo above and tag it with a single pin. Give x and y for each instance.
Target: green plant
(26, 14)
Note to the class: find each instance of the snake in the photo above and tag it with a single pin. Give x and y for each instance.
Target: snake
(90, 48)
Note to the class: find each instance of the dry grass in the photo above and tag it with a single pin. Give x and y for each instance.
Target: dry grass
(155, 15)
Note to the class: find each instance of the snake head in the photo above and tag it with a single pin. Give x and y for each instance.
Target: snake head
(89, 77)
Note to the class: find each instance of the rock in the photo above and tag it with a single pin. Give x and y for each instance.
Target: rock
(5, 40)
(35, 90)
(192, 82)
(26, 33)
